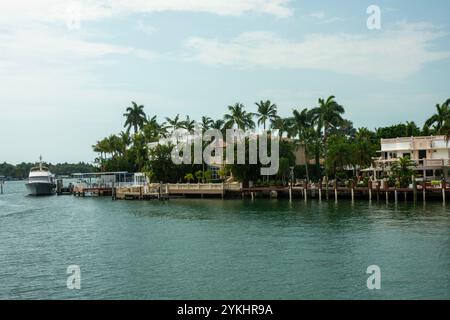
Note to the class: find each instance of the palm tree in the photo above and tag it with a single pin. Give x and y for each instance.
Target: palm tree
(188, 124)
(101, 147)
(363, 148)
(327, 115)
(266, 111)
(153, 130)
(135, 117)
(340, 154)
(303, 128)
(403, 169)
(440, 117)
(126, 140)
(283, 125)
(217, 124)
(175, 122)
(239, 117)
(206, 123)
(189, 177)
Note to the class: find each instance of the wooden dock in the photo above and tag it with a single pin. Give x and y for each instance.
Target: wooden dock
(376, 191)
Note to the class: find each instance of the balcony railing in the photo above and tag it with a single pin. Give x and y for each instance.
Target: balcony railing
(418, 163)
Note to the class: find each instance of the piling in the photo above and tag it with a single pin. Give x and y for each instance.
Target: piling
(306, 191)
(320, 190)
(370, 190)
(353, 191)
(335, 192)
(378, 190)
(1, 186)
(424, 191)
(290, 193)
(395, 196)
(113, 191)
(443, 191)
(414, 183)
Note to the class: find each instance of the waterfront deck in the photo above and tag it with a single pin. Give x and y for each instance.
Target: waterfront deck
(377, 190)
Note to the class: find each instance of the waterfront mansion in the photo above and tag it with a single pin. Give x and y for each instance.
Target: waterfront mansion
(430, 154)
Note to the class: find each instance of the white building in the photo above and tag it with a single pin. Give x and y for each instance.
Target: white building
(430, 154)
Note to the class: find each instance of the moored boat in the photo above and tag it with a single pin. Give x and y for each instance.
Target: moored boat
(40, 181)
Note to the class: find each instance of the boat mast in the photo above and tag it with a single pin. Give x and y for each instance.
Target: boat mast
(40, 163)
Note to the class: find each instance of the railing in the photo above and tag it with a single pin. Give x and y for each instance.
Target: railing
(418, 163)
(204, 186)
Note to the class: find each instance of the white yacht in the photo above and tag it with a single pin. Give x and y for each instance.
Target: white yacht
(40, 181)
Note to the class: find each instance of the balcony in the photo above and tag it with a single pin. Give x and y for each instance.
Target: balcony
(420, 164)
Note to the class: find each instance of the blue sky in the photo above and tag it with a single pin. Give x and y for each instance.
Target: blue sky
(68, 69)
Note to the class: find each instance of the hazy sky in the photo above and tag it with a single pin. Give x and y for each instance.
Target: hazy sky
(68, 69)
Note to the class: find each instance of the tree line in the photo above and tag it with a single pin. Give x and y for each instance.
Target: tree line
(21, 171)
(331, 143)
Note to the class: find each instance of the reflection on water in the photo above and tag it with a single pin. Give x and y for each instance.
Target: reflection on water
(220, 249)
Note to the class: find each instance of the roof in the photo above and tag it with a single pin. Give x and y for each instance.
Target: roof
(99, 173)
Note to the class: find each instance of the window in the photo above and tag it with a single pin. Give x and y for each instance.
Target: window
(422, 154)
(407, 155)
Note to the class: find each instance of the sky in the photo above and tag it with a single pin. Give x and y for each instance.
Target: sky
(69, 69)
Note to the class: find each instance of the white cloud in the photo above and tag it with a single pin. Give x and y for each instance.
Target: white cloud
(317, 15)
(322, 18)
(63, 10)
(42, 46)
(145, 28)
(393, 54)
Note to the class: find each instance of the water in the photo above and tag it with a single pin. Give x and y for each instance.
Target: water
(215, 249)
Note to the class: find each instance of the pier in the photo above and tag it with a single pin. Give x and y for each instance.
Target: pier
(127, 186)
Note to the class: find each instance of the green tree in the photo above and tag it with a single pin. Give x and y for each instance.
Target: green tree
(199, 175)
(442, 115)
(175, 122)
(206, 123)
(303, 129)
(326, 116)
(135, 117)
(403, 169)
(207, 175)
(339, 154)
(363, 148)
(188, 124)
(189, 177)
(239, 117)
(266, 111)
(283, 125)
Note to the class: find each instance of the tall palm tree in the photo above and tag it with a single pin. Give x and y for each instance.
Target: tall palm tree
(135, 117)
(303, 129)
(440, 117)
(283, 125)
(217, 124)
(266, 111)
(206, 123)
(363, 149)
(327, 115)
(188, 124)
(175, 122)
(153, 130)
(126, 141)
(239, 117)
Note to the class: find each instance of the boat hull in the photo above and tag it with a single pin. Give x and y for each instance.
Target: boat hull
(41, 188)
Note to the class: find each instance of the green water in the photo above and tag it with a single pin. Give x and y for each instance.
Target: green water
(220, 249)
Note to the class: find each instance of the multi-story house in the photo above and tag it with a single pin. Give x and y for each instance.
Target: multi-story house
(431, 155)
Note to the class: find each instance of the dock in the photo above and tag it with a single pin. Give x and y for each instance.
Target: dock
(125, 186)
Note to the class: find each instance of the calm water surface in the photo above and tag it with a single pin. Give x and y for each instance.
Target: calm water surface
(215, 249)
